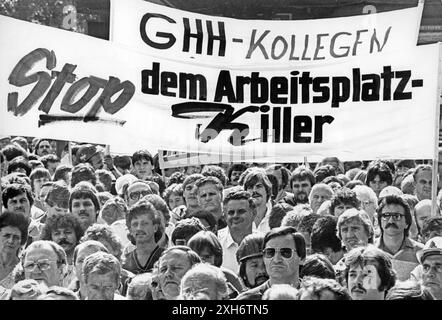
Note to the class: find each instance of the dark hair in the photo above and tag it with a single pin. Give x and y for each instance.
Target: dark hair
(381, 169)
(302, 173)
(206, 215)
(255, 176)
(298, 238)
(344, 196)
(61, 171)
(353, 183)
(159, 181)
(285, 173)
(235, 167)
(317, 265)
(15, 189)
(323, 172)
(191, 180)
(395, 200)
(363, 255)
(409, 290)
(239, 194)
(83, 172)
(186, 228)
(176, 178)
(123, 162)
(274, 182)
(173, 189)
(277, 213)
(140, 155)
(84, 191)
(11, 151)
(19, 162)
(307, 222)
(49, 158)
(207, 240)
(58, 194)
(431, 224)
(61, 220)
(323, 235)
(215, 171)
(17, 220)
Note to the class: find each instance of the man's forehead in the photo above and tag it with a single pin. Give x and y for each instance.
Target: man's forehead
(175, 256)
(237, 203)
(354, 221)
(19, 196)
(365, 265)
(41, 252)
(301, 181)
(82, 199)
(280, 241)
(393, 207)
(63, 228)
(434, 258)
(10, 229)
(209, 186)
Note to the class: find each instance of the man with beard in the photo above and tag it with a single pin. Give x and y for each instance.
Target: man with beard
(43, 147)
(422, 178)
(301, 182)
(239, 210)
(369, 273)
(18, 198)
(143, 221)
(395, 219)
(210, 197)
(284, 252)
(84, 204)
(431, 260)
(65, 230)
(282, 174)
(173, 265)
(252, 270)
(259, 186)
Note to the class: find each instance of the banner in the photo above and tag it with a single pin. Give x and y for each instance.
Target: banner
(68, 86)
(161, 31)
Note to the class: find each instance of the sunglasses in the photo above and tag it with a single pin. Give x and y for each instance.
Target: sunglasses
(137, 194)
(286, 253)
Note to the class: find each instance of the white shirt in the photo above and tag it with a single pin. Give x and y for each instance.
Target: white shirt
(229, 249)
(264, 224)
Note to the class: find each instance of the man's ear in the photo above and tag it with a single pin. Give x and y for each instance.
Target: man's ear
(155, 227)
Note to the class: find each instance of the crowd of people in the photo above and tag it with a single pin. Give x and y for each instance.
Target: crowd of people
(92, 226)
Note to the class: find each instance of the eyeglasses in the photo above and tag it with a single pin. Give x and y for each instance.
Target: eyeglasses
(43, 264)
(286, 253)
(137, 194)
(395, 215)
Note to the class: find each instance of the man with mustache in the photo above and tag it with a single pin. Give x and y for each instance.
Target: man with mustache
(394, 219)
(83, 203)
(259, 186)
(369, 273)
(65, 230)
(301, 182)
(251, 262)
(284, 251)
(240, 211)
(43, 147)
(422, 177)
(143, 221)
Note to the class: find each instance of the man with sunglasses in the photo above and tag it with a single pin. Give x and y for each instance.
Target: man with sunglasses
(284, 252)
(395, 219)
(45, 262)
(135, 191)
